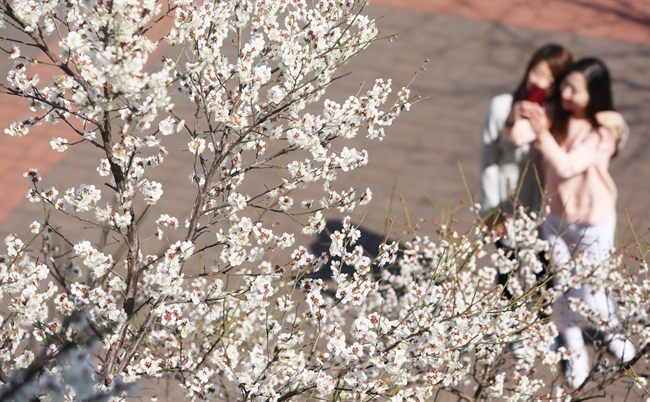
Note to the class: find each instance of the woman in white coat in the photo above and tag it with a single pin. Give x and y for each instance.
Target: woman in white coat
(502, 163)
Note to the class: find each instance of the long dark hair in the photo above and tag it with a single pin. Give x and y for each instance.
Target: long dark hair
(559, 60)
(600, 96)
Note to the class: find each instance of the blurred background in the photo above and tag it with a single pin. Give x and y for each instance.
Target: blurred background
(428, 164)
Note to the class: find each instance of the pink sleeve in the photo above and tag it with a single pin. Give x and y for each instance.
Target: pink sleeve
(521, 133)
(597, 147)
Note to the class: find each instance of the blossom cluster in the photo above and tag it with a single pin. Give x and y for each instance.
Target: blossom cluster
(232, 307)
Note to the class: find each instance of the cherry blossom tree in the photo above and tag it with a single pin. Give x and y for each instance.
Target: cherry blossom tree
(418, 318)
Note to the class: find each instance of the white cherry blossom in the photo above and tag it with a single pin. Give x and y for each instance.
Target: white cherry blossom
(233, 305)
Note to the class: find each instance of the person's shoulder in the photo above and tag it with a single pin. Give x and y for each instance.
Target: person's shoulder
(501, 104)
(502, 100)
(583, 130)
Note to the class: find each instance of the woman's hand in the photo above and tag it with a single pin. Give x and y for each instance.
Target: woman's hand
(515, 114)
(611, 119)
(536, 115)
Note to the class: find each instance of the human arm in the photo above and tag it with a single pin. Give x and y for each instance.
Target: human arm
(596, 147)
(490, 157)
(520, 132)
(513, 116)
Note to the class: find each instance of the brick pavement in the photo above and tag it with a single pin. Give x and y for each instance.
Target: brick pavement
(487, 28)
(476, 52)
(625, 20)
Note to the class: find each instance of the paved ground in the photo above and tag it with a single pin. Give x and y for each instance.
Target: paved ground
(477, 50)
(625, 20)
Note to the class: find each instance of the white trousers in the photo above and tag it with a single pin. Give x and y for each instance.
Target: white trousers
(595, 241)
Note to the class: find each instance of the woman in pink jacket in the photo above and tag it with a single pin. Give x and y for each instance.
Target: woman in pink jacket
(576, 151)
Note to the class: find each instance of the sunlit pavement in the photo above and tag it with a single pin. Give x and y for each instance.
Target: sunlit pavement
(477, 50)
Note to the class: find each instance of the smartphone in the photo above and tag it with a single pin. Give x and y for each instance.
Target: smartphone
(536, 95)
